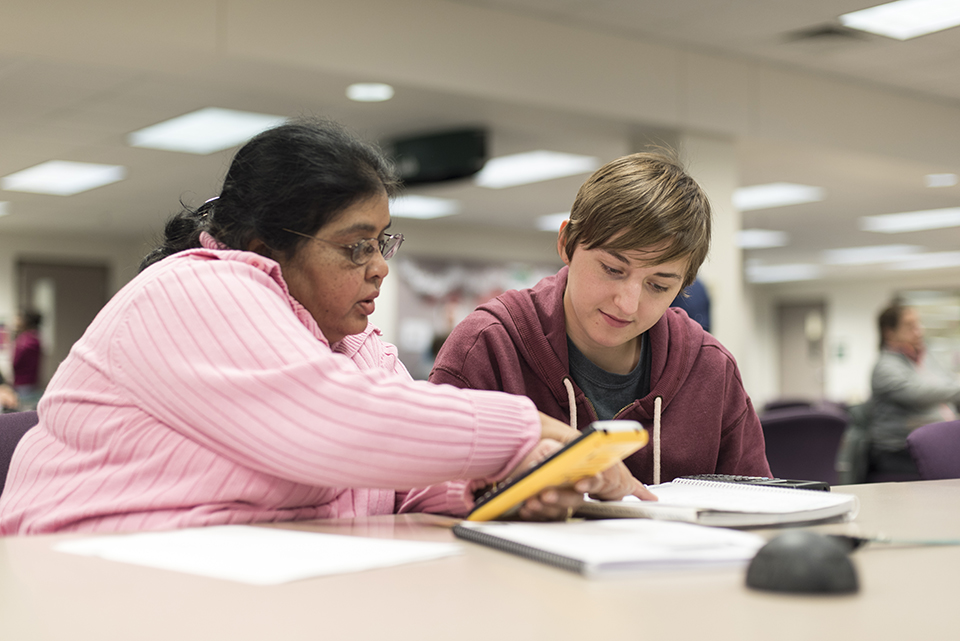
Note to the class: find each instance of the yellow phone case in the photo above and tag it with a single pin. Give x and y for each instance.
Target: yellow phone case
(601, 444)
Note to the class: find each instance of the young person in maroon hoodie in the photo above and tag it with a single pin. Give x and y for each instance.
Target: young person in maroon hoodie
(599, 340)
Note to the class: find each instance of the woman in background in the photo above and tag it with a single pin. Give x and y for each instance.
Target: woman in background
(237, 378)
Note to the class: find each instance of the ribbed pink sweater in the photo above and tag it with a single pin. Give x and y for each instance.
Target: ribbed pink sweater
(203, 394)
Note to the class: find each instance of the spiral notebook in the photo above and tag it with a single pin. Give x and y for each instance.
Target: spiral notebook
(616, 547)
(729, 505)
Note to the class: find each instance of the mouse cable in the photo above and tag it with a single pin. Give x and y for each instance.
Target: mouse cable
(856, 542)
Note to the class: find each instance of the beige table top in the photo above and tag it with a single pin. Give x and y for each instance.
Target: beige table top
(906, 592)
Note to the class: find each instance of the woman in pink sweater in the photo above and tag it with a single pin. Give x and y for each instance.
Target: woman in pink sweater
(237, 378)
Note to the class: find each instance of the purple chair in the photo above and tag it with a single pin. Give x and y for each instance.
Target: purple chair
(936, 450)
(802, 442)
(785, 403)
(12, 427)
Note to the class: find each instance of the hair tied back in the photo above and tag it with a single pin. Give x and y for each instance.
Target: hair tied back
(204, 210)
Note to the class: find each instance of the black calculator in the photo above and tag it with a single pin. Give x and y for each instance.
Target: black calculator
(795, 484)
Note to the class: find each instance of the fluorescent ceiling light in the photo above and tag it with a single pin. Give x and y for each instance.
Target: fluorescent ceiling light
(204, 131)
(775, 195)
(782, 273)
(63, 178)
(423, 207)
(936, 297)
(761, 238)
(933, 260)
(905, 19)
(4, 209)
(941, 180)
(369, 92)
(869, 255)
(531, 167)
(912, 221)
(551, 222)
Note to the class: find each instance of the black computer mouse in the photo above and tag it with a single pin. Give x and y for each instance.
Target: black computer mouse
(803, 561)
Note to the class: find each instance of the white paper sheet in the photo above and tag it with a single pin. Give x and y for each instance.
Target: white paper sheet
(256, 555)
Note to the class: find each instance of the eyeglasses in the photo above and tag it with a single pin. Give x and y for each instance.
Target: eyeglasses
(363, 250)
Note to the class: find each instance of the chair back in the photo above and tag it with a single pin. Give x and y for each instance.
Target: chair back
(936, 450)
(802, 442)
(12, 428)
(784, 403)
(853, 457)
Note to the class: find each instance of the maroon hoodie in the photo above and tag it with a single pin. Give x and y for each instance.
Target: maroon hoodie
(517, 343)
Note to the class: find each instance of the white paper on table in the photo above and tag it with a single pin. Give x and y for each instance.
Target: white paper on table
(256, 555)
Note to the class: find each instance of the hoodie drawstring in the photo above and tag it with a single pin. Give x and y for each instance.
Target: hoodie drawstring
(657, 402)
(572, 400)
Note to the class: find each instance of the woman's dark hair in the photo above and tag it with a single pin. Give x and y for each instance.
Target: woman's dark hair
(299, 176)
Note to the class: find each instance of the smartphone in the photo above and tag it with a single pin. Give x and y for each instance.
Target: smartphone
(600, 445)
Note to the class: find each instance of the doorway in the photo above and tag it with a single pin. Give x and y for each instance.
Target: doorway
(68, 296)
(802, 330)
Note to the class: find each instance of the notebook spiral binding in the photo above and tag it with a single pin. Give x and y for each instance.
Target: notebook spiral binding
(725, 484)
(550, 558)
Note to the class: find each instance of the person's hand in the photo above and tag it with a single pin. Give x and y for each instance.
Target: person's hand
(552, 429)
(611, 485)
(614, 484)
(8, 398)
(552, 503)
(558, 503)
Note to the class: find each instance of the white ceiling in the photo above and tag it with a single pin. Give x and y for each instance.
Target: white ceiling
(56, 104)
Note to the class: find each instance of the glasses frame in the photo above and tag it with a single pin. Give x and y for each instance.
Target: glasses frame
(387, 246)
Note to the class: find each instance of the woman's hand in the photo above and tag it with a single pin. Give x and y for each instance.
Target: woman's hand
(558, 503)
(552, 503)
(611, 485)
(551, 428)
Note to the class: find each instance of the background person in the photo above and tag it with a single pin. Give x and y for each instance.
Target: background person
(599, 339)
(237, 378)
(908, 390)
(27, 357)
(695, 301)
(9, 402)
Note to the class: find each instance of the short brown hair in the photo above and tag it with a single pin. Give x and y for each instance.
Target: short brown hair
(889, 319)
(638, 201)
